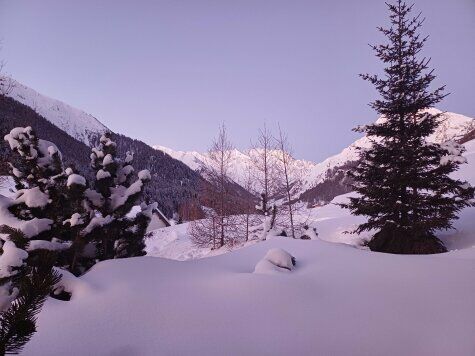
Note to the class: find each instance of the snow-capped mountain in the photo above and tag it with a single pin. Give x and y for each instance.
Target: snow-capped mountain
(76, 123)
(453, 127)
(241, 162)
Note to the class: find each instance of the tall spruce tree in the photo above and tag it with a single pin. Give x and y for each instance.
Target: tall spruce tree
(403, 180)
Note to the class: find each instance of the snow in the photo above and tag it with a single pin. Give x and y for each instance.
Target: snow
(68, 171)
(10, 258)
(102, 174)
(337, 301)
(275, 260)
(94, 197)
(120, 194)
(454, 153)
(124, 173)
(240, 161)
(144, 175)
(29, 227)
(97, 221)
(280, 258)
(32, 198)
(55, 245)
(14, 135)
(129, 157)
(74, 220)
(70, 283)
(75, 122)
(76, 179)
(107, 160)
(174, 243)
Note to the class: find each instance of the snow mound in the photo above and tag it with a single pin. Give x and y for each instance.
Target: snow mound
(275, 260)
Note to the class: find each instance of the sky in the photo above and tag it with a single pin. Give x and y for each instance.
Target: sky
(170, 72)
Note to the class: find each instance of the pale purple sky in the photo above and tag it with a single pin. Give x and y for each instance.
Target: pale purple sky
(168, 72)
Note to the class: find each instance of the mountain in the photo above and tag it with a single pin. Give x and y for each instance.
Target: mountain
(241, 162)
(324, 180)
(76, 123)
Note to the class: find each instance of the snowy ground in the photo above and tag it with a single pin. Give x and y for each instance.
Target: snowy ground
(174, 243)
(338, 301)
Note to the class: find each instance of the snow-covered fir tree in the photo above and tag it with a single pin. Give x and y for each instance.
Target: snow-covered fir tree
(42, 201)
(48, 200)
(115, 191)
(403, 181)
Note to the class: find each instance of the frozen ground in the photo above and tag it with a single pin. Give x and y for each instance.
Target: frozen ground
(338, 300)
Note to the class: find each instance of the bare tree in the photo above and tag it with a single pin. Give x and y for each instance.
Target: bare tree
(249, 221)
(263, 158)
(219, 227)
(291, 183)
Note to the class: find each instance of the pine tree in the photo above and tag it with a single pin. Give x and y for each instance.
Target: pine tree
(47, 197)
(402, 179)
(114, 193)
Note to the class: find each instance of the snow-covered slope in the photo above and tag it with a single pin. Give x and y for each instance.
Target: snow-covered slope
(75, 122)
(338, 300)
(453, 126)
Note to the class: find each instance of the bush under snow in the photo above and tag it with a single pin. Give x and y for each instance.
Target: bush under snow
(275, 260)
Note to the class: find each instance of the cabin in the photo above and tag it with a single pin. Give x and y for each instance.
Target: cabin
(158, 220)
